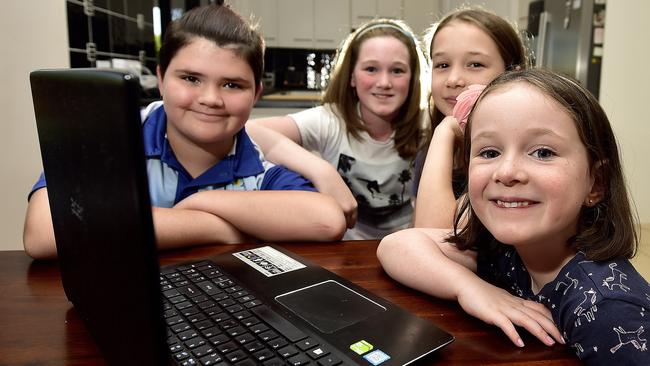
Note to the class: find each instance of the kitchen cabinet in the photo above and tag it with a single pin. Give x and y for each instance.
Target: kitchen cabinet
(420, 14)
(296, 23)
(389, 9)
(263, 12)
(362, 11)
(365, 10)
(266, 13)
(331, 23)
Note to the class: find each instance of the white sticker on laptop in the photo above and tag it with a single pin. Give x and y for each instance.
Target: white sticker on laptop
(269, 261)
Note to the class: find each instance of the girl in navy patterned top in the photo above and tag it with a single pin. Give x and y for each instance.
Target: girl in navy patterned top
(546, 218)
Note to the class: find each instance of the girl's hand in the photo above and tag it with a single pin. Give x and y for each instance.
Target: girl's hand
(496, 306)
(330, 183)
(451, 125)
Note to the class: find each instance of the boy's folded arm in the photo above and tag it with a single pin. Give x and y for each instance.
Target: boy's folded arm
(38, 231)
(436, 205)
(274, 215)
(175, 228)
(419, 258)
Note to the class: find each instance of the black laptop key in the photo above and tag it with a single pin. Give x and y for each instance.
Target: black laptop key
(227, 347)
(209, 288)
(188, 334)
(246, 362)
(279, 323)
(236, 356)
(329, 360)
(299, 360)
(211, 359)
(254, 346)
(189, 291)
(195, 342)
(288, 351)
(219, 339)
(317, 352)
(180, 327)
(171, 293)
(306, 344)
(203, 350)
(274, 362)
(268, 335)
(263, 354)
(245, 338)
(277, 343)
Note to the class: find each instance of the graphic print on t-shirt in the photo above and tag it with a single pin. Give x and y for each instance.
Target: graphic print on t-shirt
(383, 197)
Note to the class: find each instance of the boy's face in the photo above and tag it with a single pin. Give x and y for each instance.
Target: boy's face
(208, 93)
(529, 173)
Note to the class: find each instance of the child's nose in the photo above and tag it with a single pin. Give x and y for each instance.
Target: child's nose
(385, 80)
(210, 95)
(456, 78)
(510, 171)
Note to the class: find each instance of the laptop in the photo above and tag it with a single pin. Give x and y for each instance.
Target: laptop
(259, 306)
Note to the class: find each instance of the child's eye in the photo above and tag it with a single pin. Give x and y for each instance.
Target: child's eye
(399, 71)
(232, 85)
(475, 64)
(370, 69)
(488, 153)
(543, 153)
(441, 65)
(190, 79)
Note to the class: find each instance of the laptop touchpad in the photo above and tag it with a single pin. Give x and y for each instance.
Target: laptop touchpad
(329, 306)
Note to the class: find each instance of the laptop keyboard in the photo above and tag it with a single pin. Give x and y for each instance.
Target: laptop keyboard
(213, 320)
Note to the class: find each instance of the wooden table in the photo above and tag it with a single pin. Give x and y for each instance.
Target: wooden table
(38, 326)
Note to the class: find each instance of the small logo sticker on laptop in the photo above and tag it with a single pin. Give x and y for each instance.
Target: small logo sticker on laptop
(361, 347)
(376, 357)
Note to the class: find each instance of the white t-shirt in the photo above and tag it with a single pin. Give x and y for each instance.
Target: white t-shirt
(378, 177)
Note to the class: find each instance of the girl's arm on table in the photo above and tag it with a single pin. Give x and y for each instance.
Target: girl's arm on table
(421, 259)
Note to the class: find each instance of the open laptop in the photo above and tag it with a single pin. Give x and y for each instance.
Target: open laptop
(262, 306)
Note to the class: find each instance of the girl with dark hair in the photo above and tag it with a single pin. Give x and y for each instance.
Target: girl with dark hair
(468, 46)
(548, 226)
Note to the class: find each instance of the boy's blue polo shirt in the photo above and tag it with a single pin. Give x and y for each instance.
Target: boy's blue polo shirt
(244, 168)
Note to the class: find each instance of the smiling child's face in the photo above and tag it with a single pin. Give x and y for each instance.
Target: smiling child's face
(462, 54)
(208, 93)
(529, 172)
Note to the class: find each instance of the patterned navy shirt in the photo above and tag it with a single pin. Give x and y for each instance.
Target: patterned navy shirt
(601, 308)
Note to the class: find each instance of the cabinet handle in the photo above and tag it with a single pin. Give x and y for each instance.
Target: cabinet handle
(302, 39)
(325, 40)
(270, 38)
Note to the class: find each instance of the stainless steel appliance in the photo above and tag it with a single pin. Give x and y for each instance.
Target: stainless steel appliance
(568, 38)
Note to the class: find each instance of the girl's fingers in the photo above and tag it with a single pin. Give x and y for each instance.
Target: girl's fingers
(508, 328)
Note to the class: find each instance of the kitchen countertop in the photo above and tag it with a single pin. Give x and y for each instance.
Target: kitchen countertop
(290, 99)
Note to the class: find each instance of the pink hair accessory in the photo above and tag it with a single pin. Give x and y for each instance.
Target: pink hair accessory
(464, 103)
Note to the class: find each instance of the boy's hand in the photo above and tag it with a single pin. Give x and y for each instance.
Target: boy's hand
(496, 306)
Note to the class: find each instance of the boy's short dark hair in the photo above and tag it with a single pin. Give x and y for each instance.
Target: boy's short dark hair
(221, 25)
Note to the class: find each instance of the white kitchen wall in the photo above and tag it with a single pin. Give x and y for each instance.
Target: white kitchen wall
(623, 92)
(33, 35)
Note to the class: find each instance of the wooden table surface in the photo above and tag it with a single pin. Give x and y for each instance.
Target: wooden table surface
(38, 326)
